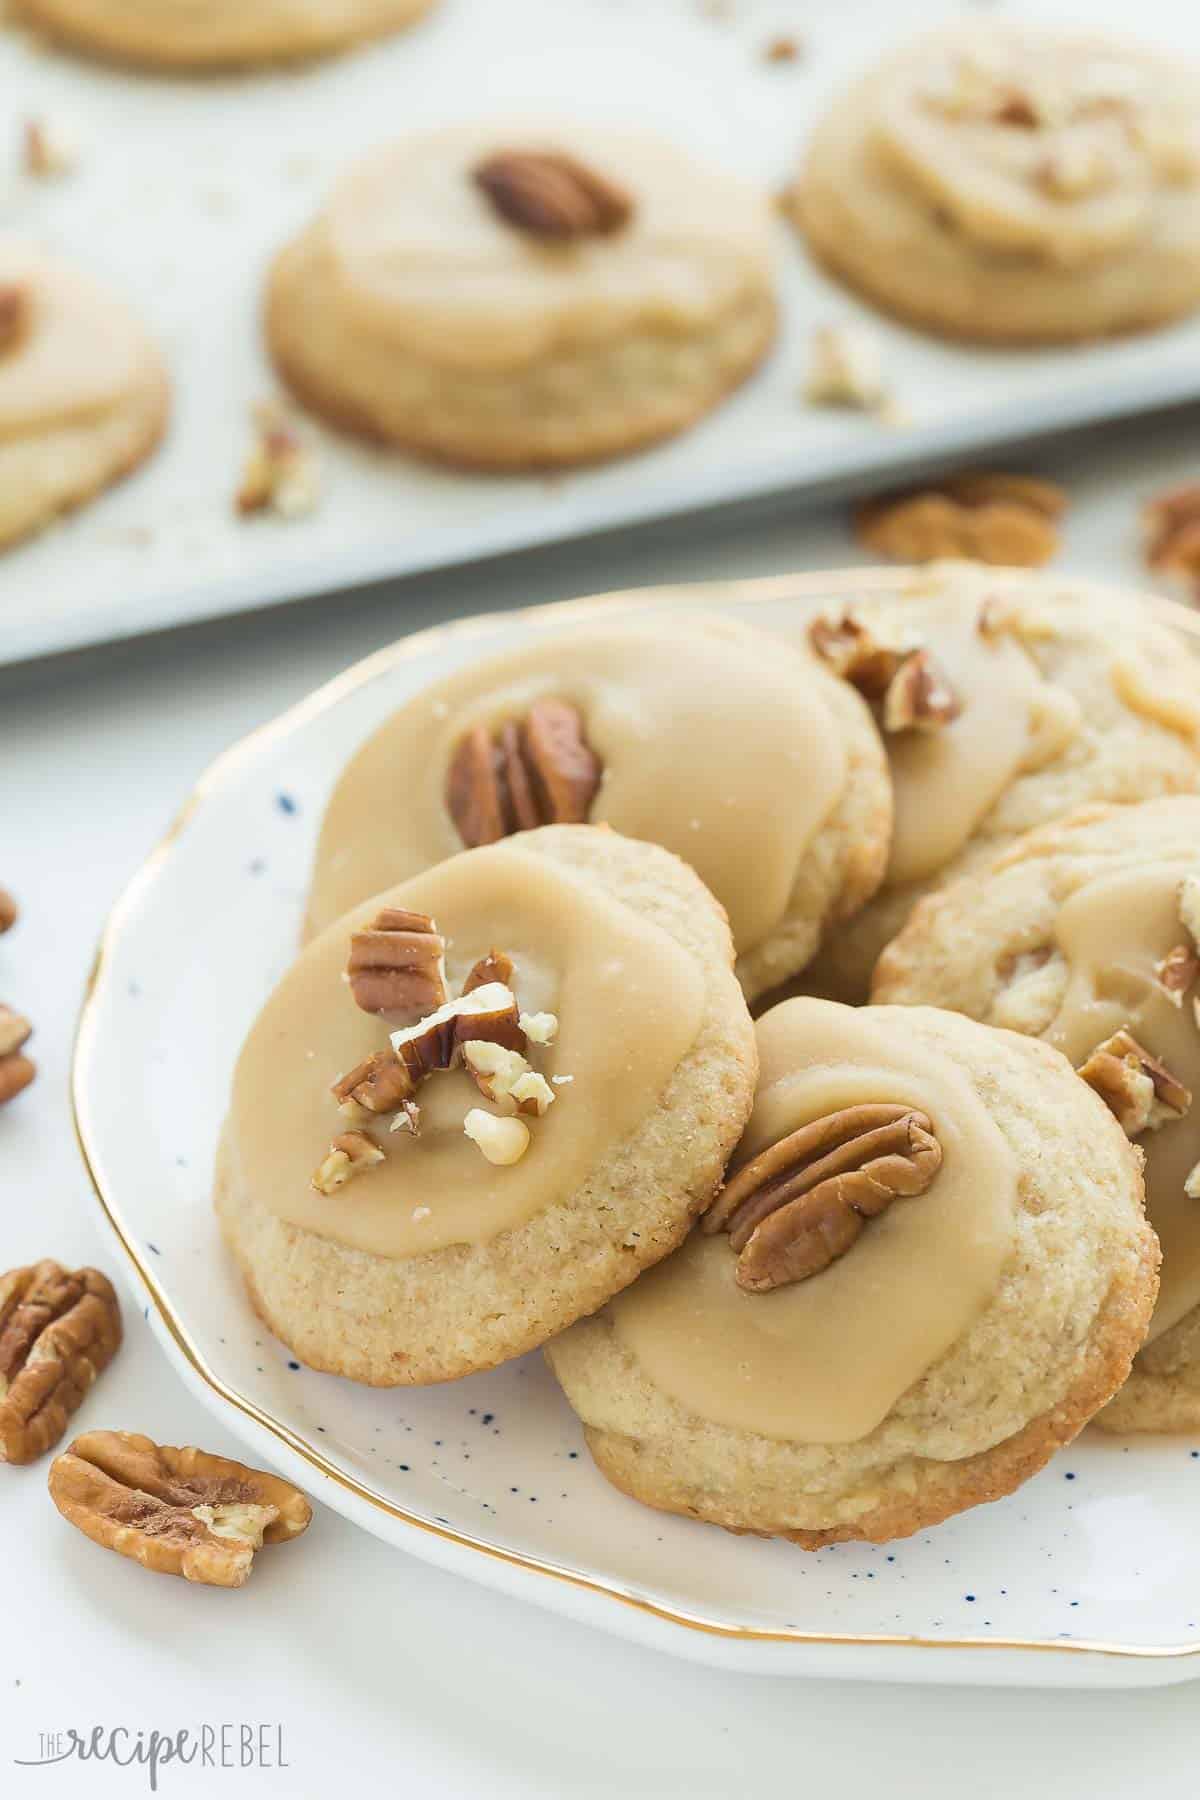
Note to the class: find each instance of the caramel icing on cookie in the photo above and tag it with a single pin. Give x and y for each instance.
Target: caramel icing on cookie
(78, 350)
(1011, 720)
(711, 742)
(1114, 932)
(629, 1003)
(1056, 148)
(824, 1360)
(422, 259)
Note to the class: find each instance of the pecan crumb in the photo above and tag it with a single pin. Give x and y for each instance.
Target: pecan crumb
(349, 1155)
(919, 697)
(552, 196)
(397, 966)
(175, 1511)
(16, 1069)
(783, 49)
(536, 771)
(1003, 519)
(59, 1330)
(48, 149)
(9, 911)
(803, 1202)
(846, 369)
(507, 1079)
(281, 473)
(1138, 1089)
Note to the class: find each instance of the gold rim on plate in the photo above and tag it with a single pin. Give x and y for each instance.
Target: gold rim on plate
(833, 584)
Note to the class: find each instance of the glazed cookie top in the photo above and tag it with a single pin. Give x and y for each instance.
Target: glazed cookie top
(1005, 698)
(870, 1207)
(1086, 934)
(68, 349)
(487, 247)
(1061, 148)
(692, 732)
(460, 1051)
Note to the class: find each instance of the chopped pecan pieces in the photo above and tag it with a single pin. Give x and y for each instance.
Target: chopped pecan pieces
(538, 771)
(486, 1012)
(280, 474)
(1171, 527)
(540, 1028)
(495, 966)
(919, 697)
(783, 49)
(502, 1141)
(397, 966)
(985, 518)
(552, 196)
(802, 1203)
(381, 1084)
(913, 691)
(854, 652)
(1177, 972)
(504, 1077)
(16, 1069)
(176, 1511)
(349, 1155)
(1139, 1091)
(8, 911)
(58, 1330)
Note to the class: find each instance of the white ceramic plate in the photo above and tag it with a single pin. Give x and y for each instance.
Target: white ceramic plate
(185, 189)
(1089, 1575)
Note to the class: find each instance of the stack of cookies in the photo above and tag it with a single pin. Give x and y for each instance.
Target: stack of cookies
(838, 1273)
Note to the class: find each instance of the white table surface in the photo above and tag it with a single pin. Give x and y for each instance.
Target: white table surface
(384, 1674)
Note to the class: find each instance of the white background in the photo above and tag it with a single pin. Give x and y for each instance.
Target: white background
(386, 1675)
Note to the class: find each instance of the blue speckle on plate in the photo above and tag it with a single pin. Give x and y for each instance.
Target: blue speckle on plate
(293, 1365)
(153, 1247)
(286, 803)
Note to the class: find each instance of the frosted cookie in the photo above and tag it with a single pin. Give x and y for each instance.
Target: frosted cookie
(929, 1268)
(482, 1102)
(753, 764)
(1085, 934)
(179, 34)
(1005, 701)
(1009, 182)
(509, 298)
(83, 391)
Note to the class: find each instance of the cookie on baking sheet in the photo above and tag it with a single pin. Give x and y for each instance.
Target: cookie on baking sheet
(929, 1268)
(1083, 933)
(83, 390)
(1013, 183)
(179, 34)
(542, 1061)
(753, 764)
(1005, 700)
(524, 296)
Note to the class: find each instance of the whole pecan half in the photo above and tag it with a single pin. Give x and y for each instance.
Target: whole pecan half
(539, 770)
(802, 1203)
(397, 966)
(176, 1511)
(552, 195)
(1140, 1091)
(58, 1331)
(16, 1069)
(984, 517)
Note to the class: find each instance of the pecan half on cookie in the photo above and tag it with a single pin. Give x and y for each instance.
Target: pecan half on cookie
(58, 1331)
(550, 195)
(176, 1511)
(539, 770)
(803, 1202)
